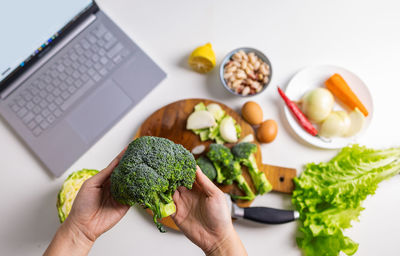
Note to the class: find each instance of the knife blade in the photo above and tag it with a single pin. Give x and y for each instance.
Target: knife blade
(264, 215)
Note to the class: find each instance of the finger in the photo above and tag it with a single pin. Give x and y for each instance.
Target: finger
(102, 176)
(205, 183)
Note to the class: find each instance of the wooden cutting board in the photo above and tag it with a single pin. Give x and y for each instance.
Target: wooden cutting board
(170, 122)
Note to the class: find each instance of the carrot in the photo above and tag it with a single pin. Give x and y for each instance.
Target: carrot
(338, 87)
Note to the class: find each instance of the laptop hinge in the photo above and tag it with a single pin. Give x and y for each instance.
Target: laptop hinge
(68, 38)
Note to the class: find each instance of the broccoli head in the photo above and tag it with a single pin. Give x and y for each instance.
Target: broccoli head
(244, 153)
(207, 167)
(149, 172)
(228, 169)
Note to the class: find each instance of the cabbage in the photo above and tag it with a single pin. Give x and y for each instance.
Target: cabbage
(329, 196)
(69, 189)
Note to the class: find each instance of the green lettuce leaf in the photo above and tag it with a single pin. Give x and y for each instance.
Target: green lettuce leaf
(329, 196)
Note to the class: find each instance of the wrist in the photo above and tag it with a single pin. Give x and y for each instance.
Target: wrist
(230, 244)
(76, 234)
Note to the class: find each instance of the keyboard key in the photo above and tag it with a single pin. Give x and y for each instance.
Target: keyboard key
(62, 76)
(57, 113)
(41, 85)
(52, 107)
(44, 124)
(99, 32)
(36, 110)
(43, 94)
(110, 44)
(108, 36)
(65, 95)
(103, 60)
(30, 105)
(79, 51)
(102, 52)
(88, 63)
(103, 72)
(85, 44)
(78, 83)
(51, 119)
(101, 42)
(22, 112)
(81, 58)
(71, 89)
(15, 107)
(91, 39)
(96, 77)
(60, 68)
(83, 69)
(95, 57)
(88, 53)
(49, 88)
(67, 62)
(69, 70)
(91, 72)
(38, 119)
(56, 82)
(76, 74)
(21, 102)
(85, 77)
(54, 73)
(29, 117)
(36, 99)
(58, 101)
(34, 90)
(43, 104)
(98, 66)
(32, 125)
(50, 98)
(47, 79)
(73, 57)
(77, 95)
(37, 131)
(45, 113)
(69, 80)
(56, 92)
(116, 49)
(117, 59)
(63, 87)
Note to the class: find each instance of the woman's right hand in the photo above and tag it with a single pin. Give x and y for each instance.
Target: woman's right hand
(202, 214)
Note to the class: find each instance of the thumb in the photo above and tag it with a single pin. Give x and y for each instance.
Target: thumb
(205, 183)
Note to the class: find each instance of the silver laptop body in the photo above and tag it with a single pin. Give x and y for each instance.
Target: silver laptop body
(77, 89)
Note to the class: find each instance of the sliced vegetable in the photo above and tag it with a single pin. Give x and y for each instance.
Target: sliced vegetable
(357, 120)
(204, 120)
(227, 130)
(70, 189)
(216, 111)
(346, 121)
(333, 126)
(300, 117)
(329, 196)
(338, 86)
(200, 119)
(317, 104)
(248, 138)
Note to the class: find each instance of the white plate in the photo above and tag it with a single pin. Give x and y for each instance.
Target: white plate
(313, 77)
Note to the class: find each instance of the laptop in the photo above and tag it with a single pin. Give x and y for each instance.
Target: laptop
(67, 75)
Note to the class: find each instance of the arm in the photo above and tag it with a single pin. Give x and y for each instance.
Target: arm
(203, 216)
(94, 212)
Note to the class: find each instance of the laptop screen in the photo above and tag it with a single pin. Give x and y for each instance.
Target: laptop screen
(27, 27)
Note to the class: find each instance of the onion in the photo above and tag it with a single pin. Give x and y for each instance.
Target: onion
(216, 111)
(248, 138)
(227, 130)
(199, 120)
(333, 126)
(317, 104)
(357, 122)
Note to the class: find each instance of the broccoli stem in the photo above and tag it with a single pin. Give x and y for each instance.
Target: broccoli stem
(244, 186)
(259, 179)
(167, 209)
(220, 177)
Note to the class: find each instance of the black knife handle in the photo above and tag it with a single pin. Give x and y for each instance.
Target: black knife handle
(269, 215)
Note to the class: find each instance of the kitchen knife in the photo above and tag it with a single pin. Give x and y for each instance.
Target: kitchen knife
(264, 215)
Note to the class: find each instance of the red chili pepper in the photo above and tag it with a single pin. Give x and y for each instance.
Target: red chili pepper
(301, 118)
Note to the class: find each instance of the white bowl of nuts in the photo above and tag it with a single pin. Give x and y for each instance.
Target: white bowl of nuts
(245, 72)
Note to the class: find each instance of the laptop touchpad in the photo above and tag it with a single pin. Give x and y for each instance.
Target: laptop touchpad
(99, 111)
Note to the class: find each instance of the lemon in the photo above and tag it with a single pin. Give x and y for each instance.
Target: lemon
(202, 59)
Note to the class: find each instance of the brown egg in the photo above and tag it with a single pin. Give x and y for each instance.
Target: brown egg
(267, 131)
(252, 113)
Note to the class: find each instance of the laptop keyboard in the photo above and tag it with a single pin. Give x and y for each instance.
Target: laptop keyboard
(88, 61)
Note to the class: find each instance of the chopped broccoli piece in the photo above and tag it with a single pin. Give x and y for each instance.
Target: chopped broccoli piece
(244, 153)
(207, 167)
(149, 172)
(228, 169)
(200, 106)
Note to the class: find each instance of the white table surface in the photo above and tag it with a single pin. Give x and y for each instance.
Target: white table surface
(362, 36)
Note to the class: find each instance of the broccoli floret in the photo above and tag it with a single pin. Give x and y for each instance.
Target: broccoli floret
(228, 169)
(244, 153)
(149, 172)
(207, 167)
